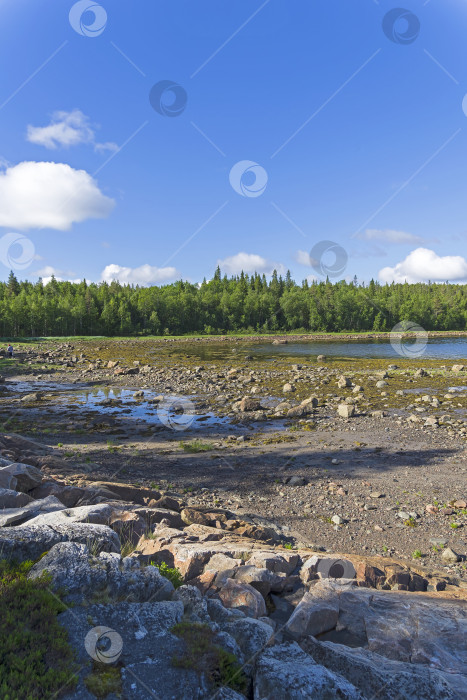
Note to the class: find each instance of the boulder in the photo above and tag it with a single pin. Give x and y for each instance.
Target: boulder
(251, 635)
(244, 597)
(278, 563)
(286, 672)
(262, 580)
(345, 410)
(32, 511)
(249, 404)
(194, 605)
(27, 477)
(31, 541)
(376, 676)
(98, 514)
(13, 499)
(87, 578)
(141, 632)
(317, 612)
(68, 495)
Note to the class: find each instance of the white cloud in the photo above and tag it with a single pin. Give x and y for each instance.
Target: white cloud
(48, 271)
(49, 195)
(146, 274)
(423, 264)
(249, 263)
(67, 129)
(302, 257)
(389, 236)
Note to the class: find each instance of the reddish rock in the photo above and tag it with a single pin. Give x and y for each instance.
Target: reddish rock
(370, 574)
(244, 597)
(203, 582)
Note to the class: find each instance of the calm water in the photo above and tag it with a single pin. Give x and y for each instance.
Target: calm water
(440, 348)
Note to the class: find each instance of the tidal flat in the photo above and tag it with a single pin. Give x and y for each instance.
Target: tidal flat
(352, 453)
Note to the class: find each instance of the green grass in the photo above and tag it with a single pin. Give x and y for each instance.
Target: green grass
(196, 446)
(204, 656)
(103, 680)
(417, 554)
(36, 660)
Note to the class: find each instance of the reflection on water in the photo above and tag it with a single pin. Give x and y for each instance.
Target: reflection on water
(121, 402)
(438, 348)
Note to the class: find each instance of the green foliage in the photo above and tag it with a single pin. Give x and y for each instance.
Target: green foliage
(410, 522)
(173, 574)
(196, 446)
(103, 680)
(245, 303)
(204, 656)
(417, 554)
(35, 658)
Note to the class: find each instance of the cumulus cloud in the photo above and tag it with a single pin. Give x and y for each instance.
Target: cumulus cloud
(249, 263)
(423, 264)
(388, 236)
(146, 274)
(67, 129)
(49, 195)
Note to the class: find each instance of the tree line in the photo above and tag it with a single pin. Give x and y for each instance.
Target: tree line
(243, 303)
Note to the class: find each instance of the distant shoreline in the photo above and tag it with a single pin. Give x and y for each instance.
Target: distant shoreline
(288, 337)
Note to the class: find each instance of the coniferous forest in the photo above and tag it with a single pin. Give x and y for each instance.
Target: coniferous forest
(245, 303)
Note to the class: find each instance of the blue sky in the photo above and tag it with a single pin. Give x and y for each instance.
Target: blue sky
(358, 136)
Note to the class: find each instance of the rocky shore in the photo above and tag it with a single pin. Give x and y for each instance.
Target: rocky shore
(144, 577)
(240, 528)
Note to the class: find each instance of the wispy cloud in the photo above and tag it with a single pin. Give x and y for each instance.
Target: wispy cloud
(67, 129)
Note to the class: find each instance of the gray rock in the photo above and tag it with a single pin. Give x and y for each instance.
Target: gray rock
(219, 614)
(262, 579)
(16, 516)
(27, 477)
(142, 631)
(7, 480)
(345, 410)
(316, 613)
(98, 514)
(286, 672)
(450, 556)
(13, 499)
(68, 495)
(278, 563)
(86, 578)
(251, 635)
(376, 676)
(194, 605)
(25, 542)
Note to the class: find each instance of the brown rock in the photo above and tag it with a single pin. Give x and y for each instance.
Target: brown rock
(203, 582)
(370, 574)
(244, 597)
(191, 516)
(249, 404)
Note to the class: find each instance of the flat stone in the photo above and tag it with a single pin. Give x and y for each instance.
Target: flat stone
(85, 578)
(30, 512)
(286, 672)
(24, 542)
(378, 677)
(98, 514)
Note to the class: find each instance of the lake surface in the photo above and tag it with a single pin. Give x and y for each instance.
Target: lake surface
(437, 348)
